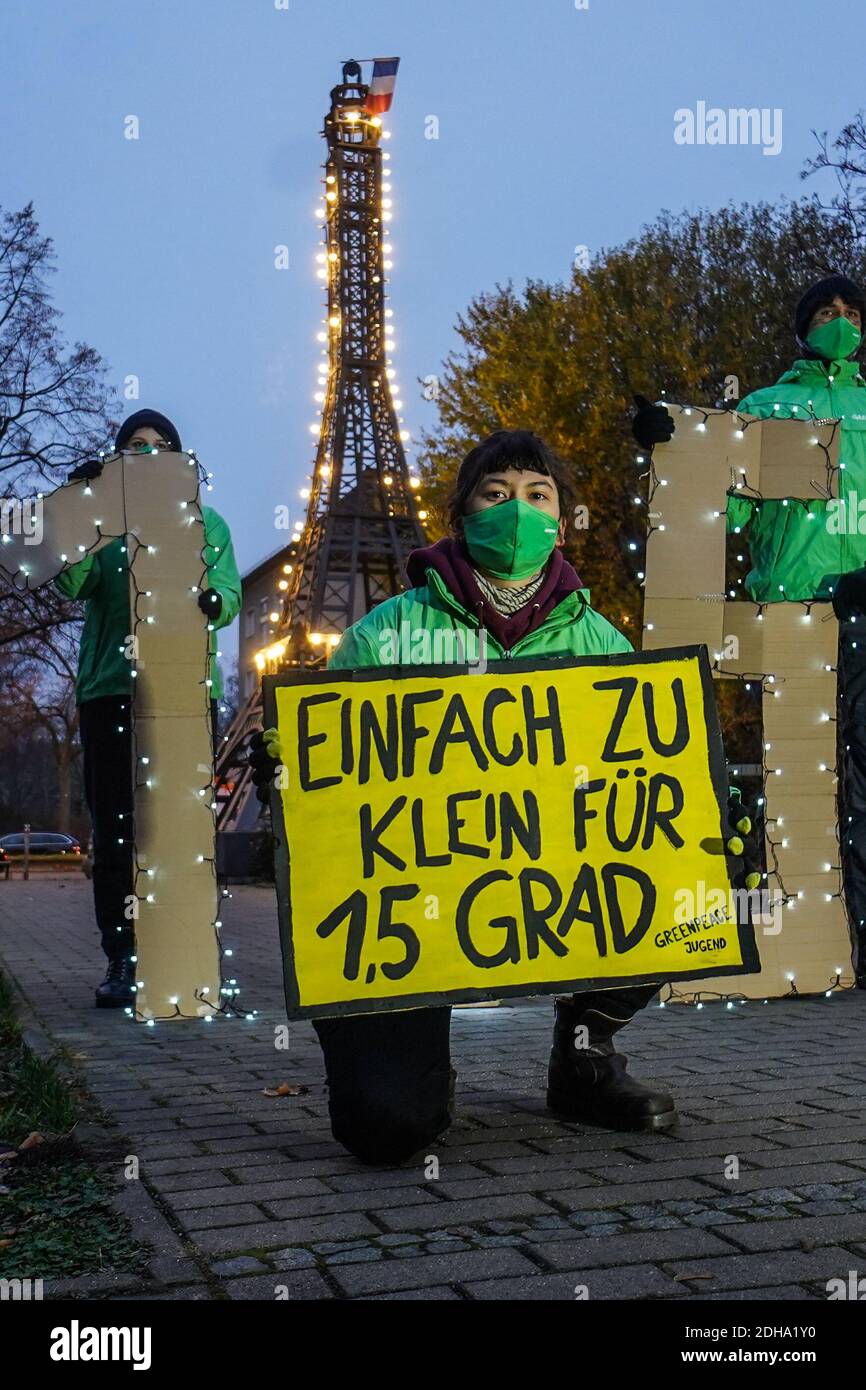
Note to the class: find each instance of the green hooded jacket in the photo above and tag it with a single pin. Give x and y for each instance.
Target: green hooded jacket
(798, 550)
(392, 633)
(102, 580)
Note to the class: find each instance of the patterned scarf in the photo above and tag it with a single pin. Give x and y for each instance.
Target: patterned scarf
(508, 600)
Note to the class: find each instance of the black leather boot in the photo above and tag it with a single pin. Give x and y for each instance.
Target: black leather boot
(116, 992)
(587, 1077)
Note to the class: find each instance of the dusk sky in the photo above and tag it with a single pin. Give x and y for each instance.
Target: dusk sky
(556, 129)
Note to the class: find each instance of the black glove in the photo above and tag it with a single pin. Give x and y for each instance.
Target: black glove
(652, 424)
(263, 759)
(211, 603)
(740, 844)
(849, 596)
(91, 468)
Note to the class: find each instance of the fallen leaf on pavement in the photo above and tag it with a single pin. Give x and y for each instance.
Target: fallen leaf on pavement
(284, 1089)
(32, 1140)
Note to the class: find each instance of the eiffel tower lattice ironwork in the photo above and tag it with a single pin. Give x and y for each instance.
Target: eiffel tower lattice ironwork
(362, 517)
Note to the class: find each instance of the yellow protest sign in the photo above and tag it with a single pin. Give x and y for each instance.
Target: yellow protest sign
(446, 836)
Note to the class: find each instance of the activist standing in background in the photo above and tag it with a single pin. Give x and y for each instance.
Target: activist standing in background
(500, 581)
(816, 552)
(103, 694)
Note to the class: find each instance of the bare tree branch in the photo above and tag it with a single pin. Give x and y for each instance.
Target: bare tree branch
(55, 405)
(846, 158)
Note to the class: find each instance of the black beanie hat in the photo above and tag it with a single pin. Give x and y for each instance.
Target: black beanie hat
(157, 422)
(821, 293)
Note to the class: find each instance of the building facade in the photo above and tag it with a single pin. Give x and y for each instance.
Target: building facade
(263, 593)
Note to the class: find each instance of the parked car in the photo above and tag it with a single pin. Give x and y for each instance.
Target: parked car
(41, 842)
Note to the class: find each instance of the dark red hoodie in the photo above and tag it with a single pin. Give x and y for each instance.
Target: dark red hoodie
(450, 559)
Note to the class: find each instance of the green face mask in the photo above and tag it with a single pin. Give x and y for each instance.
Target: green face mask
(835, 340)
(511, 540)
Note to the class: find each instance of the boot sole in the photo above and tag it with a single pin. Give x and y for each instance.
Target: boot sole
(645, 1123)
(113, 1003)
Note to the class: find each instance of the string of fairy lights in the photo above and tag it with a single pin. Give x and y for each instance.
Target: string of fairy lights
(144, 779)
(145, 775)
(767, 683)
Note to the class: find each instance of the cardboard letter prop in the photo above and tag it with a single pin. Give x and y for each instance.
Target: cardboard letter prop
(790, 648)
(152, 499)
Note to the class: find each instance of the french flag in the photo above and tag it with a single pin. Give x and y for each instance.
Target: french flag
(381, 89)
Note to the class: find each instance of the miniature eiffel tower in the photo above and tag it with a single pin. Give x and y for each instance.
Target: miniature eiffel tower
(362, 518)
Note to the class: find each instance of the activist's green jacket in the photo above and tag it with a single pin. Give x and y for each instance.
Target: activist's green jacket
(572, 628)
(102, 579)
(806, 548)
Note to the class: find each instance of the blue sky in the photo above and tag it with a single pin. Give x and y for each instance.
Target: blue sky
(556, 129)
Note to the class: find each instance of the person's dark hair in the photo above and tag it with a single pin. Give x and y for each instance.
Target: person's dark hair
(818, 296)
(520, 449)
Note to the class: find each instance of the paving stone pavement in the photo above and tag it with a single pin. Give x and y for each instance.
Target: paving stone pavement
(246, 1197)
